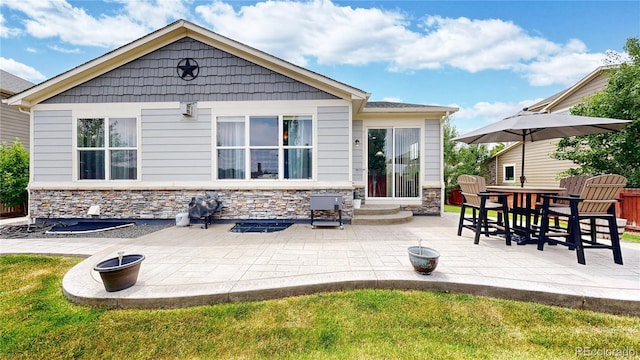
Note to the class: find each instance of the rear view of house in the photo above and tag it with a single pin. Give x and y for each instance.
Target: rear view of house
(184, 111)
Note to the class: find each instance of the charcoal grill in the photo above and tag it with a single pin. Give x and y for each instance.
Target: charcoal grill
(203, 208)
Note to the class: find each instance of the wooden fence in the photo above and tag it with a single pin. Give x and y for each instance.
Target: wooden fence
(9, 211)
(629, 208)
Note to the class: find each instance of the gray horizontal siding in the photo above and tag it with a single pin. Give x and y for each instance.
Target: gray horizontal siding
(176, 149)
(222, 77)
(432, 159)
(53, 146)
(333, 143)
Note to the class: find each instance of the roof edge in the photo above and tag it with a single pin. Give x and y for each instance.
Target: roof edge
(164, 36)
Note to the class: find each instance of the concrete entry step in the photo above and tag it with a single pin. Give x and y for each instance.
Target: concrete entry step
(399, 217)
(377, 210)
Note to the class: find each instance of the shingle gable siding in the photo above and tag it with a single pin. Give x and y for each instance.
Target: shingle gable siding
(222, 77)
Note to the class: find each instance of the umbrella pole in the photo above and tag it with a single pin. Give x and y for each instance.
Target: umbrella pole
(522, 177)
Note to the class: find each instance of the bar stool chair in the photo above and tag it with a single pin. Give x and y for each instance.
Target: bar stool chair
(596, 201)
(476, 197)
(573, 184)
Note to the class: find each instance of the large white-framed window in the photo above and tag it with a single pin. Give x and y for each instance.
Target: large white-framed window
(509, 173)
(107, 148)
(272, 147)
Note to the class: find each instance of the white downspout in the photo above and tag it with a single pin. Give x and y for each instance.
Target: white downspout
(442, 185)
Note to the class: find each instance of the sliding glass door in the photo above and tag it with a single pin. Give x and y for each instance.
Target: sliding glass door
(393, 162)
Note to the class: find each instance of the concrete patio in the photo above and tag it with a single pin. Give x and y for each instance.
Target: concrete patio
(187, 266)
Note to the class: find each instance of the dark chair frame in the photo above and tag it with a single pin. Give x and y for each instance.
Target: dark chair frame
(479, 221)
(573, 233)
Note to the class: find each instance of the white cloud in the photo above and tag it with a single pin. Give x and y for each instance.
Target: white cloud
(333, 34)
(392, 99)
(471, 45)
(319, 29)
(324, 32)
(563, 69)
(5, 31)
(65, 50)
(484, 113)
(155, 14)
(21, 70)
(73, 25)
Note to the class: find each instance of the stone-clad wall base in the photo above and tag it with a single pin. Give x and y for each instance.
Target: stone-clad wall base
(166, 204)
(431, 200)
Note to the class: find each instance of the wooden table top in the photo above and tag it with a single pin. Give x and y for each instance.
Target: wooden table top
(527, 189)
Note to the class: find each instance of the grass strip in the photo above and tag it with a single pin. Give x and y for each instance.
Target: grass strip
(38, 322)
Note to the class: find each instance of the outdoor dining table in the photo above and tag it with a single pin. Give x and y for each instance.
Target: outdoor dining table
(523, 209)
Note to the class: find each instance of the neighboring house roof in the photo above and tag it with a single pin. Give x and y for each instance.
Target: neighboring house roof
(11, 84)
(548, 104)
(507, 148)
(167, 35)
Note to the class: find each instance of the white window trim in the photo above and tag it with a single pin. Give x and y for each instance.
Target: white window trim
(247, 147)
(422, 168)
(76, 150)
(504, 173)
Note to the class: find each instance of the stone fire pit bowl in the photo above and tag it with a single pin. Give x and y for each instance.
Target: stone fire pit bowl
(423, 259)
(119, 273)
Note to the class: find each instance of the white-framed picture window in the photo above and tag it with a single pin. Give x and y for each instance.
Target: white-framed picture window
(509, 173)
(275, 147)
(107, 148)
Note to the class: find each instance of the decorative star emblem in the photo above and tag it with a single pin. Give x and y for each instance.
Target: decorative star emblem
(188, 69)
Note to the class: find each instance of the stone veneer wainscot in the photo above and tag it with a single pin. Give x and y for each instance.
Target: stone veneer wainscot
(166, 204)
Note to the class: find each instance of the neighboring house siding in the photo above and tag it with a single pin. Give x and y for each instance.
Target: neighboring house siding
(357, 150)
(176, 148)
(222, 77)
(13, 124)
(538, 168)
(333, 143)
(595, 85)
(53, 146)
(431, 156)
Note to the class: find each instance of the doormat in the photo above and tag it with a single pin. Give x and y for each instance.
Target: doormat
(86, 227)
(260, 226)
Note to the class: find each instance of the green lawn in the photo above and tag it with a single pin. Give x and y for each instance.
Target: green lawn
(38, 322)
(627, 236)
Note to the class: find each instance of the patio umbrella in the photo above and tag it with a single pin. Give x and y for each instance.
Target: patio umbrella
(531, 126)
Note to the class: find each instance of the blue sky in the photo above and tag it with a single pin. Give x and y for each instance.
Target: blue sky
(489, 58)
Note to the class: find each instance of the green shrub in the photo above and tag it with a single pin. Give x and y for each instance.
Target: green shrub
(14, 174)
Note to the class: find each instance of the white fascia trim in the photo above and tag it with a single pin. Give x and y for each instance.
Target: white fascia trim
(280, 107)
(99, 66)
(412, 110)
(108, 109)
(192, 185)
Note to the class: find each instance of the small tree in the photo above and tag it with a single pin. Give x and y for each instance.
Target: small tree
(614, 153)
(14, 174)
(462, 159)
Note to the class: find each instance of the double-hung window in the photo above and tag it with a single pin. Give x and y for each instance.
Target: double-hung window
(107, 149)
(264, 147)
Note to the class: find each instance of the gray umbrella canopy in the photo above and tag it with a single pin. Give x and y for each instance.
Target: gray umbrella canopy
(531, 126)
